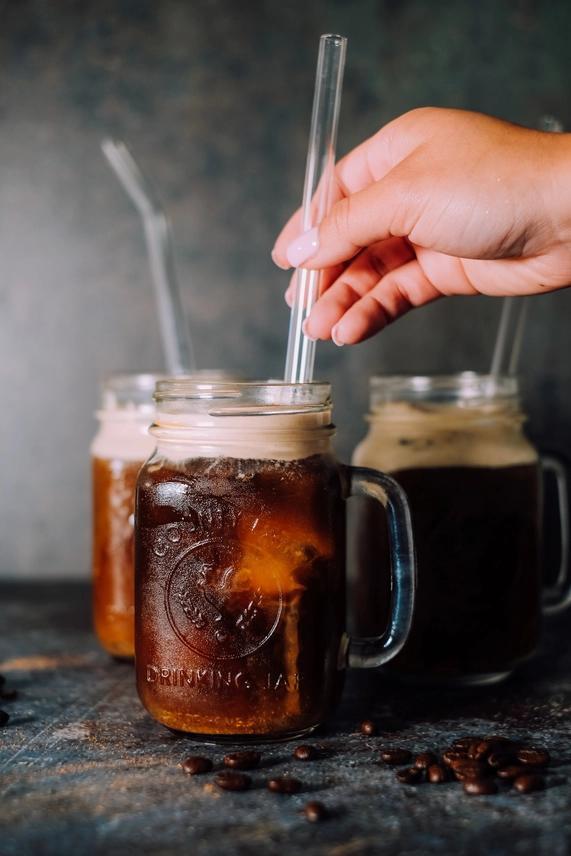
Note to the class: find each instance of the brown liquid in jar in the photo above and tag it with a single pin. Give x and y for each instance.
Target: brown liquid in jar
(240, 594)
(114, 482)
(478, 593)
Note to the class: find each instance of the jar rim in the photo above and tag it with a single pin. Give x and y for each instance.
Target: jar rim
(249, 397)
(467, 388)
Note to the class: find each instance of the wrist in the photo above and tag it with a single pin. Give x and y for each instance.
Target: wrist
(555, 176)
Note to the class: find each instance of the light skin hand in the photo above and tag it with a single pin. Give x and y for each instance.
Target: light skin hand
(438, 202)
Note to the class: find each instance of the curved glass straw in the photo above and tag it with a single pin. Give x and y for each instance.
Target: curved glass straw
(177, 344)
(318, 184)
(514, 309)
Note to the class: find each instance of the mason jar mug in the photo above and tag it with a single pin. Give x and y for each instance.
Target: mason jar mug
(456, 446)
(240, 561)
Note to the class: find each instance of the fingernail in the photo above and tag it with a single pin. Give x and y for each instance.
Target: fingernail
(277, 262)
(305, 333)
(335, 335)
(303, 248)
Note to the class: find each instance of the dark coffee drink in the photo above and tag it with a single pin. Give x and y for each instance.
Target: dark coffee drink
(476, 535)
(473, 484)
(240, 593)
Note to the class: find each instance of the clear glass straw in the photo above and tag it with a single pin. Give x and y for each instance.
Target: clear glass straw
(509, 337)
(177, 344)
(317, 196)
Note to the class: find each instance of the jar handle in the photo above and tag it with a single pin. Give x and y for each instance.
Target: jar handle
(367, 653)
(558, 597)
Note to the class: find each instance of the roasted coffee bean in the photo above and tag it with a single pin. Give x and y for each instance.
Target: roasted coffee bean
(505, 743)
(436, 774)
(284, 785)
(511, 772)
(425, 760)
(368, 727)
(196, 764)
(396, 756)
(529, 782)
(479, 751)
(533, 756)
(470, 770)
(409, 776)
(315, 811)
(453, 756)
(246, 760)
(463, 743)
(8, 695)
(305, 753)
(4, 718)
(480, 787)
(230, 781)
(498, 758)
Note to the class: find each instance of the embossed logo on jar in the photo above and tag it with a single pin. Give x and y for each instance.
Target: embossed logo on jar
(223, 602)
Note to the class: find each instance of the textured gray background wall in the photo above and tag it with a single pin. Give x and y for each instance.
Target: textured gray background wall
(214, 97)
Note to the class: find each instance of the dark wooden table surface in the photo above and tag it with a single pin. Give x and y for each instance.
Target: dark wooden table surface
(85, 770)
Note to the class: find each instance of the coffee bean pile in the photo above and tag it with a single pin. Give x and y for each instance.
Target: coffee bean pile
(233, 779)
(477, 763)
(5, 695)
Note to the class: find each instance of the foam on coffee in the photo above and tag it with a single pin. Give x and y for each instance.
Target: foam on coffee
(124, 434)
(279, 433)
(410, 436)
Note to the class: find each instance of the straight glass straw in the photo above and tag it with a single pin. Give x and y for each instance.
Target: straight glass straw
(177, 344)
(317, 196)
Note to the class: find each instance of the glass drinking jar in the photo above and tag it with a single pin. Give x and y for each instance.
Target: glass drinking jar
(473, 480)
(240, 561)
(120, 448)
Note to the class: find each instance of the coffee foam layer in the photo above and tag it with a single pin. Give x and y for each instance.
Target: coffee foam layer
(123, 438)
(407, 436)
(275, 435)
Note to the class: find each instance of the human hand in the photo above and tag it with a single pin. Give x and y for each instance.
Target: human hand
(438, 202)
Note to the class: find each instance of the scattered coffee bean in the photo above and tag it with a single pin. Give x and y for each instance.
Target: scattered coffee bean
(409, 776)
(196, 764)
(480, 787)
(511, 772)
(8, 695)
(470, 771)
(315, 811)
(396, 756)
(499, 758)
(284, 785)
(305, 753)
(453, 756)
(436, 774)
(425, 760)
(4, 718)
(533, 756)
(479, 750)
(246, 760)
(230, 781)
(529, 782)
(368, 727)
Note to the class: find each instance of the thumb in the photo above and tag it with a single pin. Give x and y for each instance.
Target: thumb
(382, 210)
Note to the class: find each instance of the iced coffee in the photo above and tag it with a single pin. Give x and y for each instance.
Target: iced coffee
(456, 445)
(240, 561)
(120, 448)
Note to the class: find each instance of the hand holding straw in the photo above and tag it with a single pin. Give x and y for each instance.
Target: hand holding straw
(177, 345)
(514, 309)
(317, 192)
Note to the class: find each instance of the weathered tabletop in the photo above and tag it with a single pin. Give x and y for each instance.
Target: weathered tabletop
(85, 770)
